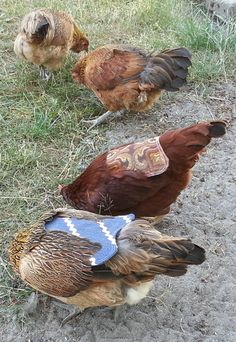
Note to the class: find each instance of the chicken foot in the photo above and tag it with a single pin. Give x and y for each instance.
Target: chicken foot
(44, 73)
(117, 313)
(103, 117)
(73, 311)
(31, 305)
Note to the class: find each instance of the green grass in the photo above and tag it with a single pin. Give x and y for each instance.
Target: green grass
(43, 141)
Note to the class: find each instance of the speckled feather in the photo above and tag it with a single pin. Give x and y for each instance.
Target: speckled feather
(58, 264)
(46, 37)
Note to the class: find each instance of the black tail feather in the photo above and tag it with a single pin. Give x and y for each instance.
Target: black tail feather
(172, 256)
(167, 70)
(217, 128)
(182, 257)
(196, 256)
(41, 30)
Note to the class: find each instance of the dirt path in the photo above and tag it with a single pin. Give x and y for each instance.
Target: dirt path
(199, 306)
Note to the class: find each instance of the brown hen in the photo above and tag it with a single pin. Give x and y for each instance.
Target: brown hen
(46, 37)
(142, 178)
(59, 262)
(124, 77)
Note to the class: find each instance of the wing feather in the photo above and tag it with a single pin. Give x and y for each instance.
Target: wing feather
(114, 66)
(58, 264)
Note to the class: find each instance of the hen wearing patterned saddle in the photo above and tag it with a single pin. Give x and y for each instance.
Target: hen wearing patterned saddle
(142, 178)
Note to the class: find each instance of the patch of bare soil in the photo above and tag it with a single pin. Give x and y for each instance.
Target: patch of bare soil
(199, 306)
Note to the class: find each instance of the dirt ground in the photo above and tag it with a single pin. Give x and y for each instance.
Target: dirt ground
(200, 306)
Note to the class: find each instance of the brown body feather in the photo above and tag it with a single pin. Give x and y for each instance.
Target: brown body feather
(46, 37)
(125, 77)
(101, 189)
(57, 263)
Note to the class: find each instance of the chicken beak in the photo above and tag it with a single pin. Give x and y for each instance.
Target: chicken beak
(60, 187)
(202, 151)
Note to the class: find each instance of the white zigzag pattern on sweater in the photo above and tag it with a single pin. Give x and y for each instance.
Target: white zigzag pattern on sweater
(107, 233)
(126, 218)
(71, 226)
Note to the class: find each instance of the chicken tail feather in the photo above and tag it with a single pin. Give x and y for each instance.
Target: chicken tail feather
(145, 252)
(172, 256)
(38, 26)
(167, 70)
(217, 128)
(41, 30)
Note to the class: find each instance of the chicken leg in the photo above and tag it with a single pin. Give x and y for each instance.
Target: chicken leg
(73, 311)
(103, 117)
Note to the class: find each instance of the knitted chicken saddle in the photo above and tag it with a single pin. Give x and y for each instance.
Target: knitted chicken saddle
(103, 232)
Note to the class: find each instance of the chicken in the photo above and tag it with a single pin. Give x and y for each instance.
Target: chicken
(124, 77)
(91, 260)
(46, 37)
(142, 178)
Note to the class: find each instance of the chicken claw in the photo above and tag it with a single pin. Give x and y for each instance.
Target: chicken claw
(74, 313)
(103, 118)
(44, 73)
(32, 303)
(117, 313)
